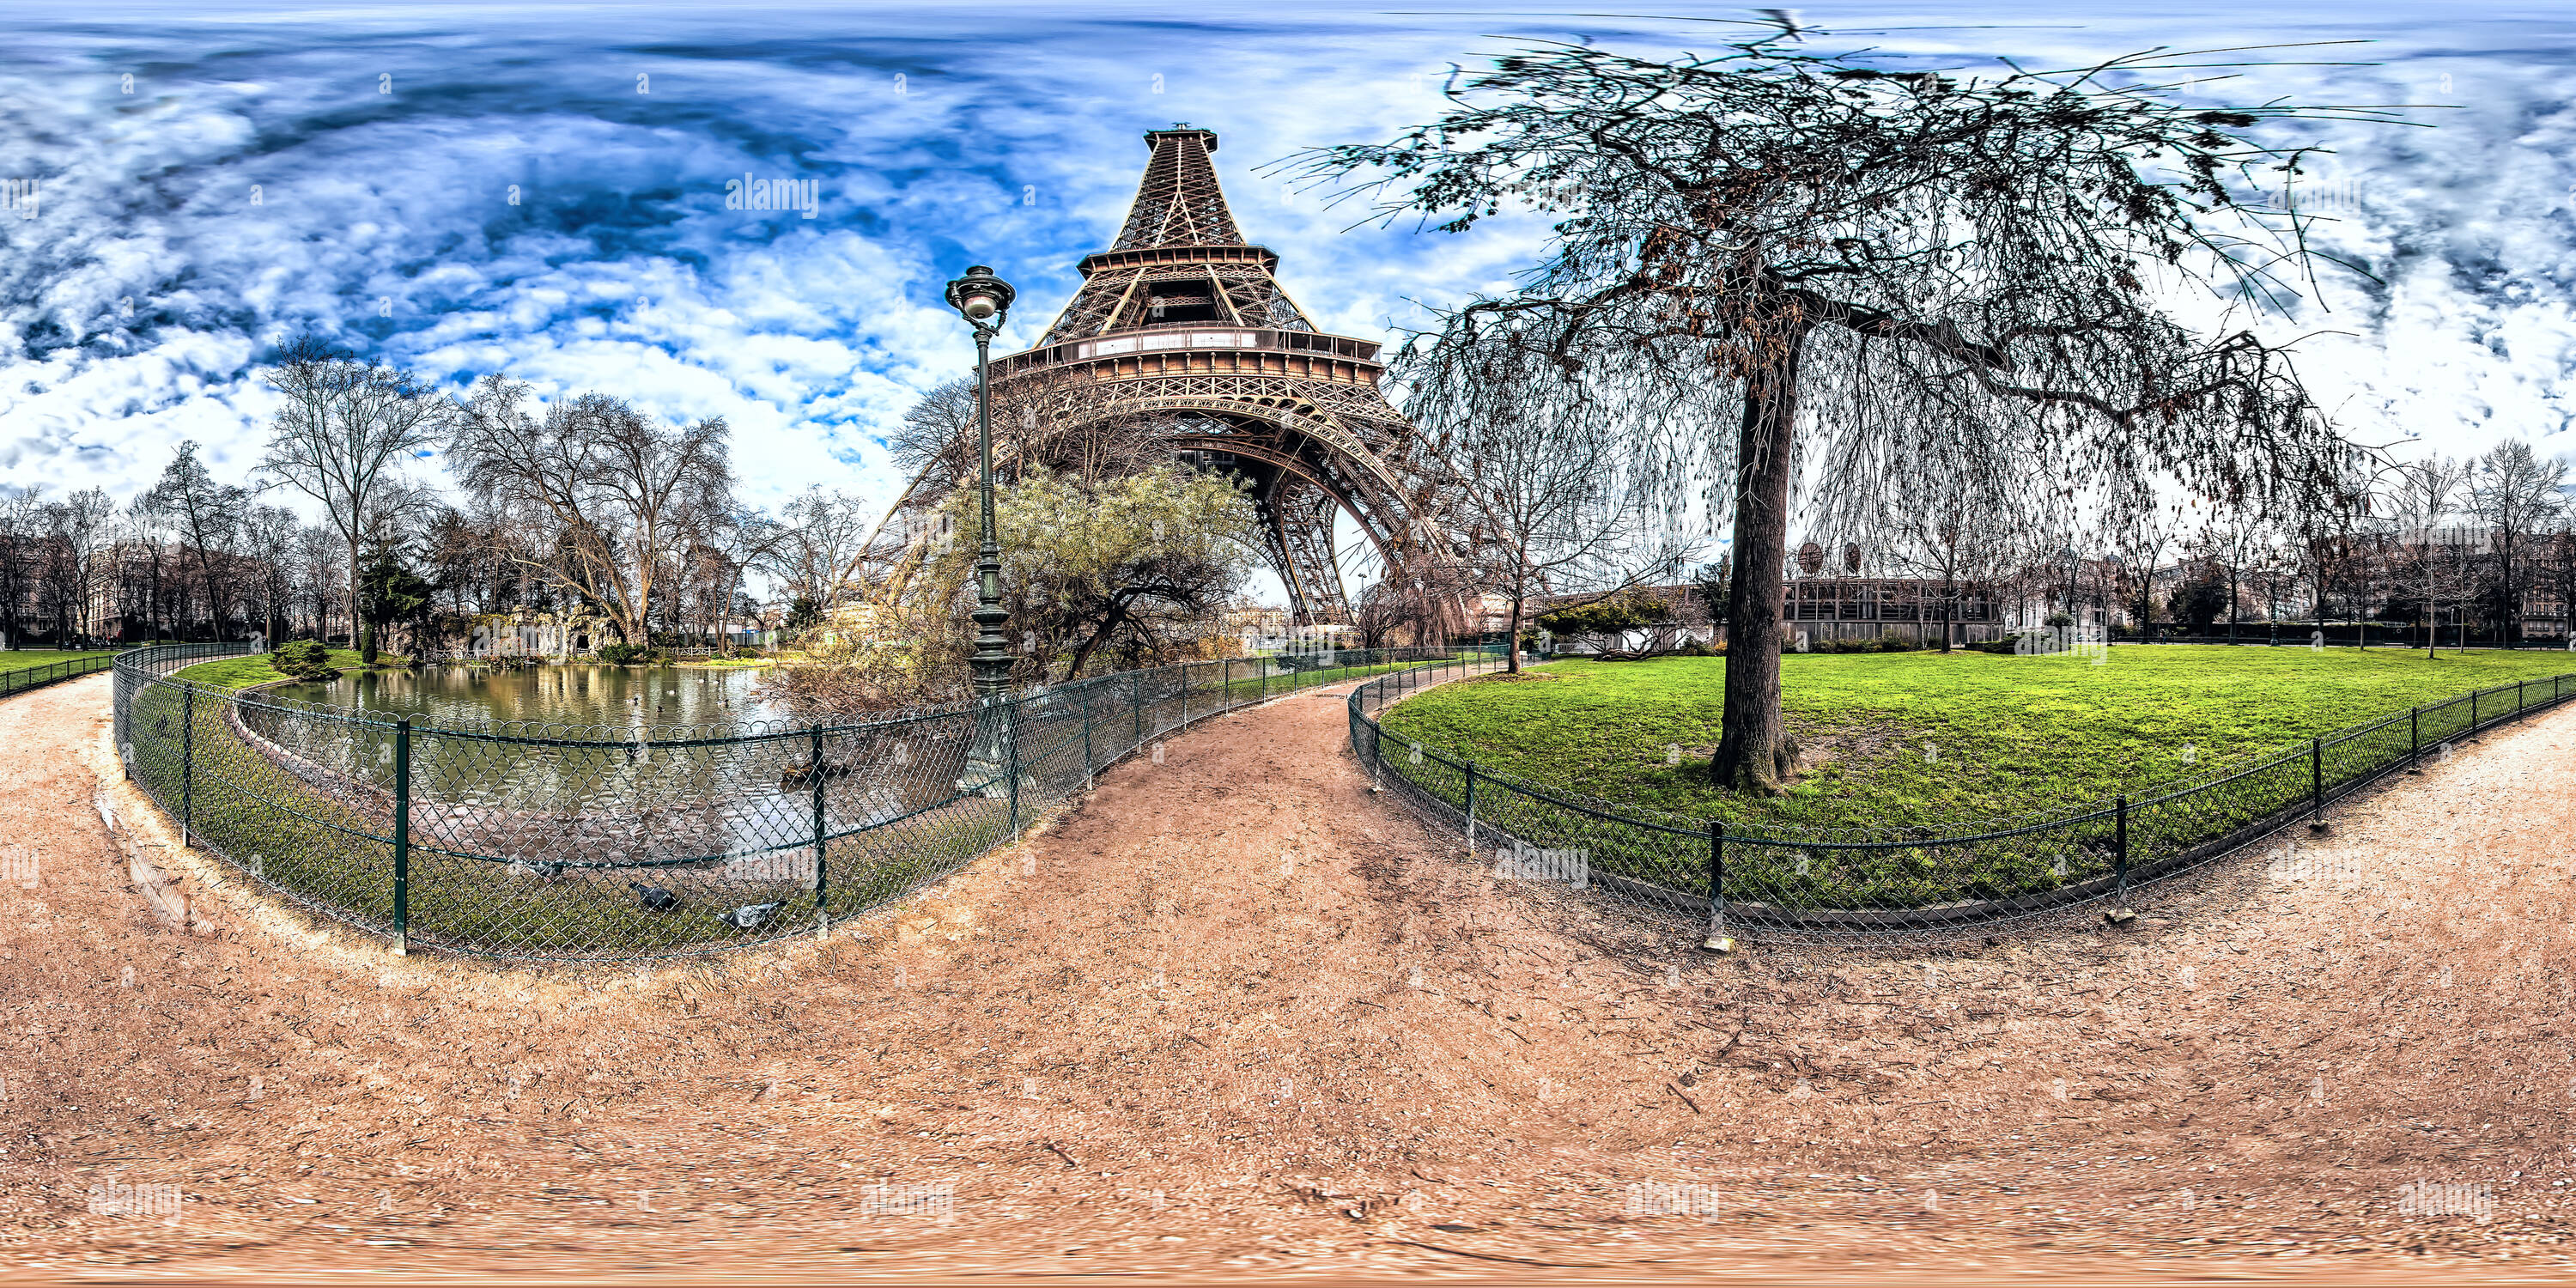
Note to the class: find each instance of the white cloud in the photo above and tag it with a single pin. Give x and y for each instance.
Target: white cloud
(620, 270)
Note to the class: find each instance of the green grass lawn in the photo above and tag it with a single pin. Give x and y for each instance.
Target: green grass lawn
(250, 669)
(1925, 739)
(27, 659)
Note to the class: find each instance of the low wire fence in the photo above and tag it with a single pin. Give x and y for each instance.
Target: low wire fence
(37, 677)
(543, 841)
(1857, 884)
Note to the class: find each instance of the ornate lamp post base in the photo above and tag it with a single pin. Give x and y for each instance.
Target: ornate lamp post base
(989, 760)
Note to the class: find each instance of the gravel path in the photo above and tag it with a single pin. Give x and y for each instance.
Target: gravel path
(1234, 1016)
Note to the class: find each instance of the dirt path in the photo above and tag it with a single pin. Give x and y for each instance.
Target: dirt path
(1236, 1016)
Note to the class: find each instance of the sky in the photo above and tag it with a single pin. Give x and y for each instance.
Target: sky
(462, 188)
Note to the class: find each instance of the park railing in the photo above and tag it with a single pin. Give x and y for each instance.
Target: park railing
(1863, 883)
(542, 841)
(37, 677)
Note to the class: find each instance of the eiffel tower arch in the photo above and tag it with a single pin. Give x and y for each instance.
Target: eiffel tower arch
(1182, 326)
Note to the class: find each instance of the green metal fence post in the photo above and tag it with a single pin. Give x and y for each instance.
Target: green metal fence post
(1265, 677)
(822, 870)
(2120, 846)
(1185, 696)
(1086, 737)
(2415, 741)
(1471, 809)
(187, 767)
(1136, 702)
(2473, 706)
(1716, 941)
(2316, 784)
(402, 836)
(1011, 732)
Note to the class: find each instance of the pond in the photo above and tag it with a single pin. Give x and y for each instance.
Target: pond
(605, 767)
(576, 695)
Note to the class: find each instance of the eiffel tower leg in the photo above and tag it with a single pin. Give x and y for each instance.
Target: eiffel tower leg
(1274, 543)
(1305, 538)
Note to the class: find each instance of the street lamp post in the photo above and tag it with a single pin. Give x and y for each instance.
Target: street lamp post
(984, 301)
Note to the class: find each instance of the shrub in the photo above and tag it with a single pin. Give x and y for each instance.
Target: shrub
(1889, 642)
(631, 654)
(305, 660)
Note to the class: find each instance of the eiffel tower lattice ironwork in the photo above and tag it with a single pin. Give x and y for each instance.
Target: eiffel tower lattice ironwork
(1181, 324)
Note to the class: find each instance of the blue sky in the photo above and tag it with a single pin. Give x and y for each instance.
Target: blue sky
(351, 170)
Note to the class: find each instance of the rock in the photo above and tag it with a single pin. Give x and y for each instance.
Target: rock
(2119, 918)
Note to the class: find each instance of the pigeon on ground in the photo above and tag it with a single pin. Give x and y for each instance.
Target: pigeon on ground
(750, 916)
(656, 899)
(523, 868)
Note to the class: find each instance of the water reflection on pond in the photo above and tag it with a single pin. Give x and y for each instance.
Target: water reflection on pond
(573, 695)
(613, 766)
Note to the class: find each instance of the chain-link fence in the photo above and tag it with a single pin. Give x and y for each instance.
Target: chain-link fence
(37, 677)
(514, 839)
(1861, 883)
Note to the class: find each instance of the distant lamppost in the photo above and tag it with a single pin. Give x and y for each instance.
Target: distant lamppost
(984, 301)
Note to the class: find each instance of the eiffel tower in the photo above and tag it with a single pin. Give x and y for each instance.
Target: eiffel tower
(1181, 324)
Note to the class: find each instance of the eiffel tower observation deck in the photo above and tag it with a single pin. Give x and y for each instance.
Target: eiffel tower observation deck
(1182, 326)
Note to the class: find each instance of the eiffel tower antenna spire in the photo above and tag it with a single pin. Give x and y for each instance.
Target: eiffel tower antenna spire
(1179, 202)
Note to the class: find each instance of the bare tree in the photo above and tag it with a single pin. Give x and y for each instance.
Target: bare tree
(619, 495)
(731, 547)
(21, 541)
(271, 533)
(1957, 532)
(819, 551)
(347, 430)
(935, 445)
(1890, 251)
(322, 567)
(1382, 607)
(148, 522)
(2141, 527)
(2422, 497)
(77, 529)
(2515, 495)
(1563, 501)
(2237, 541)
(208, 515)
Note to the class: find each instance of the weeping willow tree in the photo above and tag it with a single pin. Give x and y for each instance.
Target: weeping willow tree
(1769, 252)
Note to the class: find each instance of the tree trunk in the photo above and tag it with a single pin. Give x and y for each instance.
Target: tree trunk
(2512, 611)
(1512, 634)
(1754, 748)
(1117, 614)
(361, 637)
